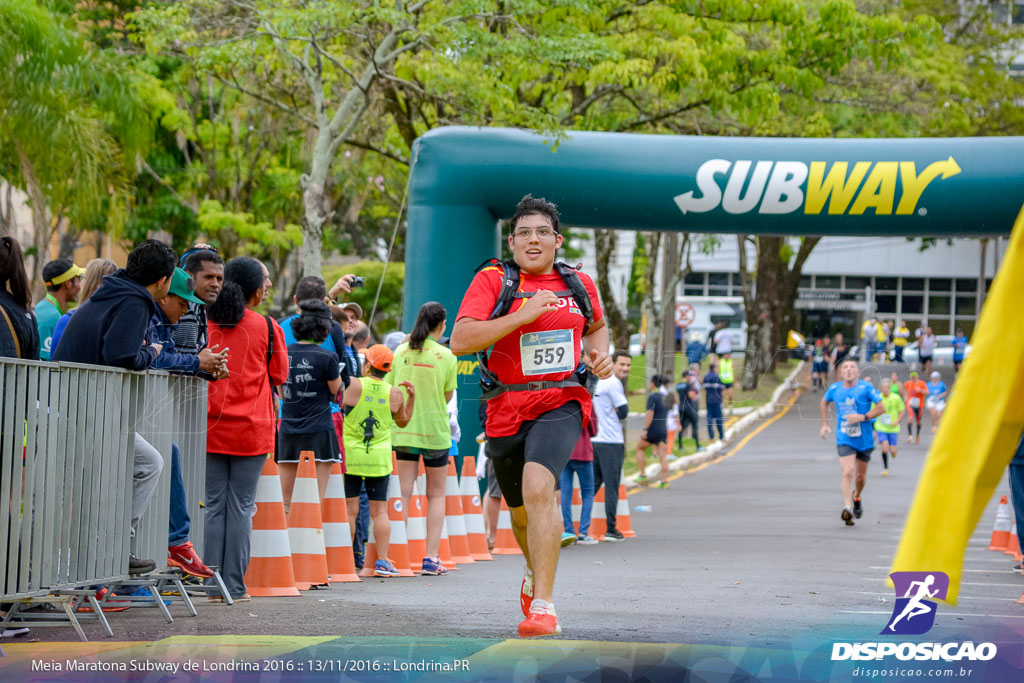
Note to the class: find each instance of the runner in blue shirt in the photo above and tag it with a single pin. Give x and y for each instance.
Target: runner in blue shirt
(854, 436)
(936, 402)
(959, 349)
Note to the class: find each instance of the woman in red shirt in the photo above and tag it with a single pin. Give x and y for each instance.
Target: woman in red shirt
(241, 421)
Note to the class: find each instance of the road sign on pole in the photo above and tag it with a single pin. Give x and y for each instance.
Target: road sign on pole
(685, 315)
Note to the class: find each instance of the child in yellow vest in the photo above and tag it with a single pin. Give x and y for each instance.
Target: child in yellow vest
(376, 407)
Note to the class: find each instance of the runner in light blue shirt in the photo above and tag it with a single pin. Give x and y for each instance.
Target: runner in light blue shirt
(854, 436)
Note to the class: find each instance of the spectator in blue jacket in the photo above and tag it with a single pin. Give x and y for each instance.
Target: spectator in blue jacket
(111, 328)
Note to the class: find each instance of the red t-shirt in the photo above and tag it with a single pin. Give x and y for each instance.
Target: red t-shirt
(240, 417)
(509, 410)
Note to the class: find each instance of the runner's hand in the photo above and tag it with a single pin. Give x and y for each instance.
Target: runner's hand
(537, 305)
(855, 417)
(599, 363)
(158, 347)
(409, 388)
(825, 430)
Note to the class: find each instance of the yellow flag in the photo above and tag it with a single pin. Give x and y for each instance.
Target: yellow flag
(978, 433)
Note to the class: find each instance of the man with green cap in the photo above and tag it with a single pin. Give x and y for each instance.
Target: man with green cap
(209, 363)
(63, 280)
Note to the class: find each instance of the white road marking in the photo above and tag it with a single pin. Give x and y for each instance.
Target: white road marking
(945, 613)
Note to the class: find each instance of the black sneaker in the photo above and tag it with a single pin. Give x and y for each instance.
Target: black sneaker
(858, 510)
(614, 536)
(847, 516)
(137, 566)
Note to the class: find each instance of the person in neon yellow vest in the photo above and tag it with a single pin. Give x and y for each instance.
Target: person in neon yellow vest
(728, 376)
(376, 408)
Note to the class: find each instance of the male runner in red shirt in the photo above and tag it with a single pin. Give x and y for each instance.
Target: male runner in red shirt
(531, 432)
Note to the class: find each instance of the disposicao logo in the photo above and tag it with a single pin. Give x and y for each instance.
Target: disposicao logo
(778, 187)
(914, 614)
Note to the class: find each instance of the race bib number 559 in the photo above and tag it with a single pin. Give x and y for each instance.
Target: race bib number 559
(548, 352)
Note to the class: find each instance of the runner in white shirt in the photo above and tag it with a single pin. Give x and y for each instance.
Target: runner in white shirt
(926, 349)
(610, 407)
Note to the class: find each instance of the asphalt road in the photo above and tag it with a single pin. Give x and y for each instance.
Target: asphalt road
(749, 551)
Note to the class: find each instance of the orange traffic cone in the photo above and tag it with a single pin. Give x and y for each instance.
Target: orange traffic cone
(1013, 545)
(453, 516)
(341, 565)
(1001, 529)
(598, 519)
(398, 546)
(476, 534)
(305, 528)
(416, 524)
(622, 522)
(270, 565)
(505, 541)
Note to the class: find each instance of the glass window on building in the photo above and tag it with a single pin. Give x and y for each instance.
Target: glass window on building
(805, 282)
(857, 282)
(965, 305)
(885, 284)
(718, 279)
(693, 284)
(913, 304)
(938, 305)
(913, 284)
(1017, 17)
(940, 284)
(966, 285)
(885, 303)
(827, 282)
(718, 291)
(939, 325)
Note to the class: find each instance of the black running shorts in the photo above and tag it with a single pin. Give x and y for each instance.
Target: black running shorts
(431, 458)
(547, 440)
(863, 456)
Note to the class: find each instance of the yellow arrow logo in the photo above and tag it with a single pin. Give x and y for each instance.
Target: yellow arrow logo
(914, 185)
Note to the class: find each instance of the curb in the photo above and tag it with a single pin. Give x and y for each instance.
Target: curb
(716, 449)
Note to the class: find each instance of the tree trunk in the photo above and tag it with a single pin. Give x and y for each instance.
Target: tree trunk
(604, 245)
(7, 211)
(764, 317)
(653, 329)
(40, 220)
(314, 199)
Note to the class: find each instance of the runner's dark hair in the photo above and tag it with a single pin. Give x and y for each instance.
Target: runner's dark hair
(430, 316)
(13, 275)
(619, 353)
(194, 261)
(243, 277)
(150, 261)
(361, 334)
(55, 268)
(374, 372)
(310, 287)
(309, 327)
(534, 206)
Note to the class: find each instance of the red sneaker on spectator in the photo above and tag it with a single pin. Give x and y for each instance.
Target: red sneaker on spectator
(184, 557)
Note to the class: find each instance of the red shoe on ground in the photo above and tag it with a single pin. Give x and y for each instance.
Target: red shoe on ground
(539, 622)
(184, 557)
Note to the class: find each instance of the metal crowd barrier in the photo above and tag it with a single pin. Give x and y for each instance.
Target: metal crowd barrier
(67, 435)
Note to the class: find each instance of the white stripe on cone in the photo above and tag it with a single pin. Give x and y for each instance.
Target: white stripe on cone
(268, 489)
(270, 543)
(306, 490)
(307, 541)
(337, 535)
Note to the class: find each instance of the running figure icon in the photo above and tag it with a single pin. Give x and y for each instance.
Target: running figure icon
(915, 607)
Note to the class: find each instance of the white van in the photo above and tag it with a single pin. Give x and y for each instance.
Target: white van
(709, 310)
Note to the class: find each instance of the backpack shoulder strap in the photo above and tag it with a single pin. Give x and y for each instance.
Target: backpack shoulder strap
(14, 334)
(509, 285)
(579, 292)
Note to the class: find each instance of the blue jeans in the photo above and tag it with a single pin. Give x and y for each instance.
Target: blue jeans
(179, 523)
(715, 418)
(362, 524)
(585, 472)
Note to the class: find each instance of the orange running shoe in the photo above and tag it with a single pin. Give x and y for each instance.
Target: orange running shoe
(541, 621)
